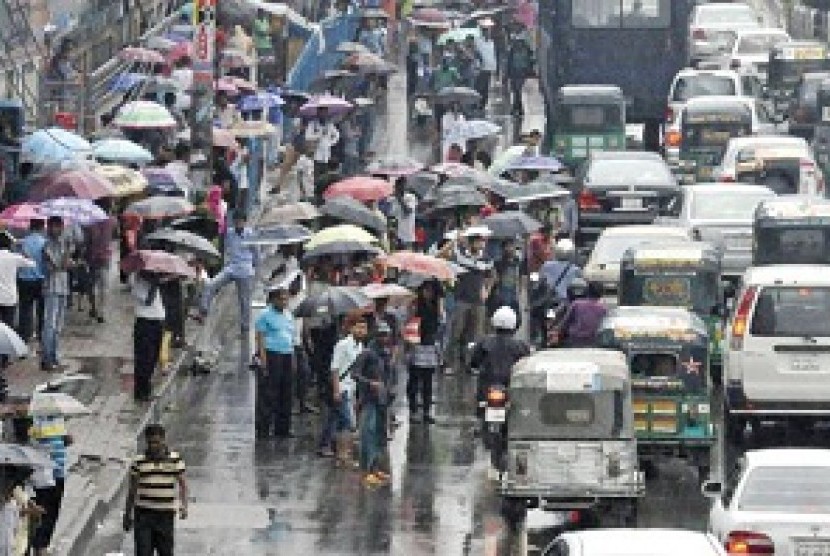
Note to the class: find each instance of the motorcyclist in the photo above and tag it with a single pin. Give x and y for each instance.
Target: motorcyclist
(582, 319)
(551, 290)
(496, 354)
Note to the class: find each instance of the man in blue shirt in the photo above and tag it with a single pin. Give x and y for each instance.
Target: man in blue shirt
(30, 282)
(241, 260)
(275, 329)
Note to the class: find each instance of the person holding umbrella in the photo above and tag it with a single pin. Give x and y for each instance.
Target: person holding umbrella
(322, 133)
(148, 330)
(57, 255)
(98, 254)
(9, 265)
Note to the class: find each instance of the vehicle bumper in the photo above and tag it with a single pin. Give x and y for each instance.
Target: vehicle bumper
(738, 404)
(595, 223)
(568, 498)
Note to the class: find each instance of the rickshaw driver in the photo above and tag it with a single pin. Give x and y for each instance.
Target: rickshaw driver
(496, 354)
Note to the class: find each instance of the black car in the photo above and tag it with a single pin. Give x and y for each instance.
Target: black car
(803, 112)
(623, 187)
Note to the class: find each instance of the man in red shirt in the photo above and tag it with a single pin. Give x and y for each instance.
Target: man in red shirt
(541, 248)
(98, 254)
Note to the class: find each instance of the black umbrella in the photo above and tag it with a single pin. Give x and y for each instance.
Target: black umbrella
(421, 183)
(511, 224)
(334, 301)
(353, 212)
(462, 95)
(187, 241)
(279, 234)
(199, 224)
(342, 248)
(453, 196)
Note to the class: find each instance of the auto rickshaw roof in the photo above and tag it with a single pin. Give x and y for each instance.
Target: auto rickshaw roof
(718, 104)
(688, 253)
(793, 207)
(798, 51)
(675, 324)
(572, 370)
(590, 94)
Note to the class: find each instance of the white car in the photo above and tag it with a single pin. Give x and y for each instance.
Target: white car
(776, 364)
(634, 542)
(751, 48)
(691, 83)
(713, 26)
(810, 177)
(777, 503)
(603, 264)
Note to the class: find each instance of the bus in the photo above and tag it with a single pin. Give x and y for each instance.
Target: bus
(637, 45)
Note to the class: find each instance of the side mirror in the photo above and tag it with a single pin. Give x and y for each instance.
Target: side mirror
(712, 489)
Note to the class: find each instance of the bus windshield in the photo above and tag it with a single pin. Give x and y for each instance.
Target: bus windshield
(629, 14)
(792, 244)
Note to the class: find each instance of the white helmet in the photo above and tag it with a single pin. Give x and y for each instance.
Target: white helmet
(504, 319)
(564, 248)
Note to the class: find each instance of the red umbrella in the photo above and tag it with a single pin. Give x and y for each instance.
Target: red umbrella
(432, 17)
(157, 261)
(418, 263)
(81, 184)
(362, 188)
(19, 216)
(143, 55)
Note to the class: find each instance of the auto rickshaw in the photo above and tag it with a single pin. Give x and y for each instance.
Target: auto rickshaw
(787, 63)
(821, 135)
(679, 275)
(668, 355)
(706, 125)
(587, 118)
(777, 167)
(570, 438)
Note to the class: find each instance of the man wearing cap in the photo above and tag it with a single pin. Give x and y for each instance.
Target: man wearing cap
(275, 331)
(471, 289)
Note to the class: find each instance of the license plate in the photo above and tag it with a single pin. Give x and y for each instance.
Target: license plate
(632, 203)
(812, 548)
(495, 414)
(804, 364)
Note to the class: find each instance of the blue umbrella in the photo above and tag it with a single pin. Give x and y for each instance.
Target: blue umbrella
(121, 150)
(177, 37)
(538, 163)
(53, 146)
(123, 82)
(80, 211)
(260, 101)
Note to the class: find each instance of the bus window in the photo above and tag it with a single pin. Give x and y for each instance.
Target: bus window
(595, 13)
(638, 14)
(631, 14)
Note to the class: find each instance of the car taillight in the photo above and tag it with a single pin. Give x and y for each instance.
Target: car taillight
(749, 542)
(496, 397)
(726, 178)
(673, 138)
(588, 201)
(698, 34)
(669, 114)
(741, 317)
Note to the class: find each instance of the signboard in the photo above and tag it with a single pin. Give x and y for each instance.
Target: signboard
(204, 41)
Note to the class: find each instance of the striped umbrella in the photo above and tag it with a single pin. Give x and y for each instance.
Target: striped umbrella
(19, 216)
(143, 114)
(80, 211)
(125, 180)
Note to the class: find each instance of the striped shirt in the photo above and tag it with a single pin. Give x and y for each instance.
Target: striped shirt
(50, 433)
(157, 480)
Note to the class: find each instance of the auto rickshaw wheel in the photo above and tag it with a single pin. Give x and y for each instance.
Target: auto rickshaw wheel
(649, 470)
(735, 427)
(514, 512)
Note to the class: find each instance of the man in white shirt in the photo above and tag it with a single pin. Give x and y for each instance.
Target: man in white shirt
(403, 206)
(323, 135)
(9, 264)
(453, 131)
(486, 47)
(147, 331)
(339, 421)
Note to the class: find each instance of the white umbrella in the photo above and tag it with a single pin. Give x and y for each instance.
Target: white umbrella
(60, 381)
(10, 343)
(57, 403)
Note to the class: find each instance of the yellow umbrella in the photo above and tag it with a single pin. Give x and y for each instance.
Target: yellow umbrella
(255, 128)
(125, 180)
(345, 232)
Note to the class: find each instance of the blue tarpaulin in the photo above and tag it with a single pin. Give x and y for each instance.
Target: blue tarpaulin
(320, 52)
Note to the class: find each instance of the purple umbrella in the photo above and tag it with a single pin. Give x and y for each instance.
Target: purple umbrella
(80, 211)
(336, 106)
(161, 180)
(538, 163)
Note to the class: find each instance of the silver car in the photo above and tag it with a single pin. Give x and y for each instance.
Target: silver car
(722, 215)
(714, 26)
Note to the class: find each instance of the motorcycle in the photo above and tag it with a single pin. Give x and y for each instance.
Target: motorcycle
(494, 429)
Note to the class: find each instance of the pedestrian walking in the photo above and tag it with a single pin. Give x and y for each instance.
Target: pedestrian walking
(148, 330)
(57, 261)
(157, 491)
(402, 211)
(507, 281)
(519, 67)
(10, 264)
(275, 334)
(49, 432)
(30, 283)
(323, 135)
(423, 355)
(98, 257)
(486, 47)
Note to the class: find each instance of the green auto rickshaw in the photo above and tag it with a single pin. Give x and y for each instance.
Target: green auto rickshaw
(684, 275)
(587, 118)
(788, 61)
(668, 355)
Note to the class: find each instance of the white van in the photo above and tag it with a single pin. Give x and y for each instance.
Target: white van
(777, 357)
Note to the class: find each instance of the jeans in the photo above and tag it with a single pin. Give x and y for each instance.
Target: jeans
(54, 314)
(244, 289)
(419, 381)
(371, 427)
(274, 393)
(154, 532)
(466, 326)
(147, 335)
(31, 301)
(98, 278)
(338, 420)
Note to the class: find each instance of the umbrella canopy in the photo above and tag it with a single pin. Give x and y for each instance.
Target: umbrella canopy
(462, 95)
(80, 211)
(395, 167)
(144, 114)
(231, 58)
(374, 13)
(20, 216)
(82, 184)
(478, 129)
(142, 55)
(344, 232)
(421, 264)
(180, 51)
(124, 82)
(421, 183)
(223, 138)
(166, 181)
(351, 47)
(162, 44)
(252, 128)
(159, 206)
(354, 212)
(121, 150)
(226, 86)
(200, 224)
(126, 181)
(294, 212)
(53, 146)
(280, 234)
(56, 403)
(243, 84)
(459, 35)
(342, 248)
(430, 17)
(362, 188)
(386, 291)
(157, 261)
(334, 301)
(538, 163)
(11, 344)
(458, 171)
(261, 101)
(186, 241)
(336, 106)
(454, 196)
(367, 62)
(511, 224)
(506, 157)
(18, 455)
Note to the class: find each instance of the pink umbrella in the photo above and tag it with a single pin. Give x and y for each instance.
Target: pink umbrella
(143, 55)
(225, 86)
(81, 184)
(223, 138)
(525, 14)
(362, 188)
(19, 216)
(242, 84)
(336, 106)
(157, 261)
(180, 51)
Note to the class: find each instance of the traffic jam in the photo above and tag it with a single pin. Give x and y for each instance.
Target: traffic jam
(710, 254)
